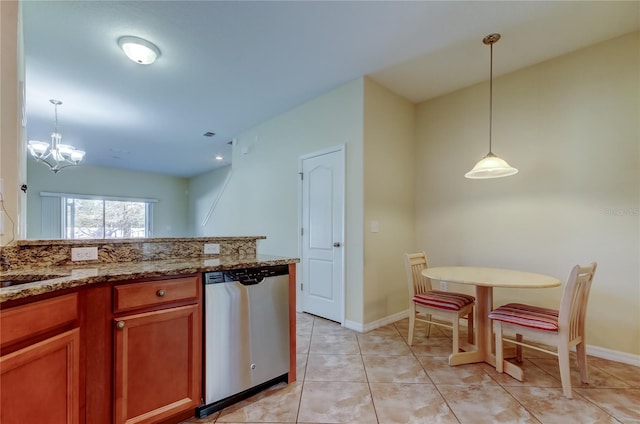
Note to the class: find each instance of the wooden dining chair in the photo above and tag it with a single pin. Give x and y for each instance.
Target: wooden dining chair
(563, 328)
(425, 302)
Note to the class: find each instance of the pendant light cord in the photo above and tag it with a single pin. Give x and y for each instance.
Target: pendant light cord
(490, 96)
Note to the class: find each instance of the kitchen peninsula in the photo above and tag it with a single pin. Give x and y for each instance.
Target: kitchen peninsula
(119, 337)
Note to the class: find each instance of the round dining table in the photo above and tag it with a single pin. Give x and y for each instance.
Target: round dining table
(484, 280)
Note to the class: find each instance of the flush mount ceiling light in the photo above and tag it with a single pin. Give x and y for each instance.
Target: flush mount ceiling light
(139, 50)
(491, 166)
(56, 156)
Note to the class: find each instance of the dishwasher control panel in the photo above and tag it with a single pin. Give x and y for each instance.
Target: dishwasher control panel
(246, 276)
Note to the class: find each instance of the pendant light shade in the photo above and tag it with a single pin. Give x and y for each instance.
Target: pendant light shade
(491, 166)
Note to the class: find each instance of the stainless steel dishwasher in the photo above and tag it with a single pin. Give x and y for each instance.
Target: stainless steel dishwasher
(246, 334)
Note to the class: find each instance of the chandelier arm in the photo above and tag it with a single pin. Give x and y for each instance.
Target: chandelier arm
(42, 158)
(57, 168)
(45, 161)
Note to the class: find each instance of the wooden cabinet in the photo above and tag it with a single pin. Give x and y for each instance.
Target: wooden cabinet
(157, 350)
(65, 360)
(40, 362)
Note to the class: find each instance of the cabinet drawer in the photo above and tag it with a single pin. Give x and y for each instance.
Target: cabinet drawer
(37, 318)
(150, 293)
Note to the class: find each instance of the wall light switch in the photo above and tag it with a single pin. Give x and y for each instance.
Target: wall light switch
(375, 226)
(211, 249)
(84, 253)
(443, 286)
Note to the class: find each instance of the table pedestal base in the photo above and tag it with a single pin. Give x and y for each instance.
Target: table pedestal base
(485, 342)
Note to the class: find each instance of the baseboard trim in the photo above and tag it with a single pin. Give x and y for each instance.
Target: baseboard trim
(353, 325)
(363, 328)
(597, 351)
(613, 355)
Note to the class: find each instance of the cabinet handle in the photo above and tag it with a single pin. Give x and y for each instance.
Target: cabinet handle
(160, 293)
(120, 325)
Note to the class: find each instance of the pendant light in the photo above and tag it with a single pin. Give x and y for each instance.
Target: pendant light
(491, 166)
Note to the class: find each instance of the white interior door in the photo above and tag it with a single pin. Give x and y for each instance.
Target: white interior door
(323, 188)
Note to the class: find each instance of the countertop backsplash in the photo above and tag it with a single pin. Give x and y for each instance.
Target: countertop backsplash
(35, 254)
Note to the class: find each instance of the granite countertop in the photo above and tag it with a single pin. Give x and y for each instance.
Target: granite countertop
(74, 276)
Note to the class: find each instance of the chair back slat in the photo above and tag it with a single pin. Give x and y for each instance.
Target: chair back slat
(573, 306)
(414, 264)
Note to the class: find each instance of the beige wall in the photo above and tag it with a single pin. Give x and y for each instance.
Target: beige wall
(262, 195)
(12, 164)
(571, 126)
(170, 213)
(389, 199)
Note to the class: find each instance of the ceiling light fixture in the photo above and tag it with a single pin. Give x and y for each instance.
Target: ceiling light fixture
(219, 157)
(139, 50)
(56, 156)
(491, 166)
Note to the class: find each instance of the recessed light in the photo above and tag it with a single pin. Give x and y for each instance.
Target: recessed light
(218, 157)
(209, 134)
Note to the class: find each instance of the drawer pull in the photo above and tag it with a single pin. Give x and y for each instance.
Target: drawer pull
(160, 293)
(120, 325)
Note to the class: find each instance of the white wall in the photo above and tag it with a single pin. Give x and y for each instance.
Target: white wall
(262, 196)
(389, 199)
(169, 213)
(571, 126)
(204, 189)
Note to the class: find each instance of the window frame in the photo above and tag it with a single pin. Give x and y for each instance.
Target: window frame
(63, 211)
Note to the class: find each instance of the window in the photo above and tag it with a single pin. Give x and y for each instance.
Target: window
(71, 216)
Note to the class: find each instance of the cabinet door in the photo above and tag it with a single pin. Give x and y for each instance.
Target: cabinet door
(40, 383)
(157, 364)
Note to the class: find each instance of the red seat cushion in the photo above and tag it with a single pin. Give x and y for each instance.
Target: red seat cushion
(527, 316)
(443, 300)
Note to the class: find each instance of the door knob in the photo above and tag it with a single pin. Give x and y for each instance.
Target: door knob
(336, 244)
(120, 325)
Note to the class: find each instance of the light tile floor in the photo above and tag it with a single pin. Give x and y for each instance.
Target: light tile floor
(348, 377)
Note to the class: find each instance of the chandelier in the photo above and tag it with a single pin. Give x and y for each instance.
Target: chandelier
(56, 156)
(491, 166)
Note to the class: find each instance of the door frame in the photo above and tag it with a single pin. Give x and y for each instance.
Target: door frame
(341, 148)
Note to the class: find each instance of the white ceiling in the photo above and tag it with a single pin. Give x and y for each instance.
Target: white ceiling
(227, 66)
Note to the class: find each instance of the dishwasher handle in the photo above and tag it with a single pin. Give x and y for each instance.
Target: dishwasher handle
(251, 281)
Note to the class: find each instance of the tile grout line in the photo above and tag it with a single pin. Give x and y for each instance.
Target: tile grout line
(366, 376)
(313, 324)
(435, 386)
